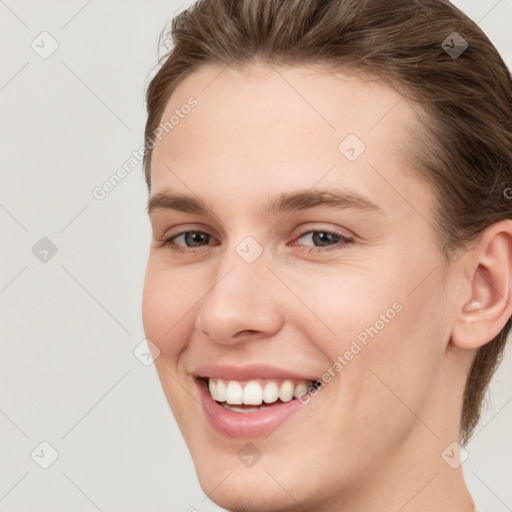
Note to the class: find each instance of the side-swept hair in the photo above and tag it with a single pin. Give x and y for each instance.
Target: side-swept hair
(465, 101)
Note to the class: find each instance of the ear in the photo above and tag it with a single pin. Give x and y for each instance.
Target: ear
(485, 310)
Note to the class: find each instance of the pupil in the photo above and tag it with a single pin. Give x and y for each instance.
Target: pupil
(194, 237)
(319, 237)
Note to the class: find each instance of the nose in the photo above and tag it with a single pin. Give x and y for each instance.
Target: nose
(244, 301)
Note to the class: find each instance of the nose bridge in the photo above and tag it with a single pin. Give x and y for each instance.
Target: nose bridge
(241, 297)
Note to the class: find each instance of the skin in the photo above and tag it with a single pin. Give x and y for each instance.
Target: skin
(372, 438)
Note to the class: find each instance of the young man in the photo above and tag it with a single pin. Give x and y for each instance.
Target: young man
(329, 280)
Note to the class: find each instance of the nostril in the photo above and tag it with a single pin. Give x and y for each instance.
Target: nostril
(241, 334)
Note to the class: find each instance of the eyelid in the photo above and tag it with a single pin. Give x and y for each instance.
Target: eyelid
(301, 230)
(185, 228)
(306, 227)
(345, 240)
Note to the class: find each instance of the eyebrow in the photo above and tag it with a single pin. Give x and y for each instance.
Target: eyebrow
(281, 203)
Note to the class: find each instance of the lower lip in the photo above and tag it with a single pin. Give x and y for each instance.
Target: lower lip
(245, 425)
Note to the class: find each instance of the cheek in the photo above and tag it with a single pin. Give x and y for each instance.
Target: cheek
(396, 370)
(166, 301)
(383, 341)
(350, 308)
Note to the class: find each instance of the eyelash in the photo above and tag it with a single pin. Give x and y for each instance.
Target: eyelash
(168, 242)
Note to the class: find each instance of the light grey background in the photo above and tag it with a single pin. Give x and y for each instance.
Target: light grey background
(69, 325)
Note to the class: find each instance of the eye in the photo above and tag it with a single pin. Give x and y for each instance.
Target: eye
(194, 239)
(190, 237)
(324, 237)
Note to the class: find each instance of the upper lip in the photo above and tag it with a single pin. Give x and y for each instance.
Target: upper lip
(247, 372)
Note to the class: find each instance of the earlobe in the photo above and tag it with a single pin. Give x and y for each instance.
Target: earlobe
(485, 312)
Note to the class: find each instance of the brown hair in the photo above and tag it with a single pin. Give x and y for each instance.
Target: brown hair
(465, 150)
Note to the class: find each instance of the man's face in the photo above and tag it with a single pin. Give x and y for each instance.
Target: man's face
(246, 301)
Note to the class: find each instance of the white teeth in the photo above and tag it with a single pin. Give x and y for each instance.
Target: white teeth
(221, 391)
(231, 392)
(252, 393)
(217, 389)
(300, 388)
(270, 393)
(234, 393)
(286, 391)
(244, 410)
(212, 386)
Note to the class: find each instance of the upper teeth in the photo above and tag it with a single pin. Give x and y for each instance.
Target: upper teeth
(254, 393)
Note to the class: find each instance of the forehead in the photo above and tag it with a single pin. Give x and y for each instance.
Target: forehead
(281, 127)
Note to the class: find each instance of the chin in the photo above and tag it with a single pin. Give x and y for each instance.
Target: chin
(272, 484)
(249, 492)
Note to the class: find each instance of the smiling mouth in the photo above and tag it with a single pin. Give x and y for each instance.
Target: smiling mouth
(256, 394)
